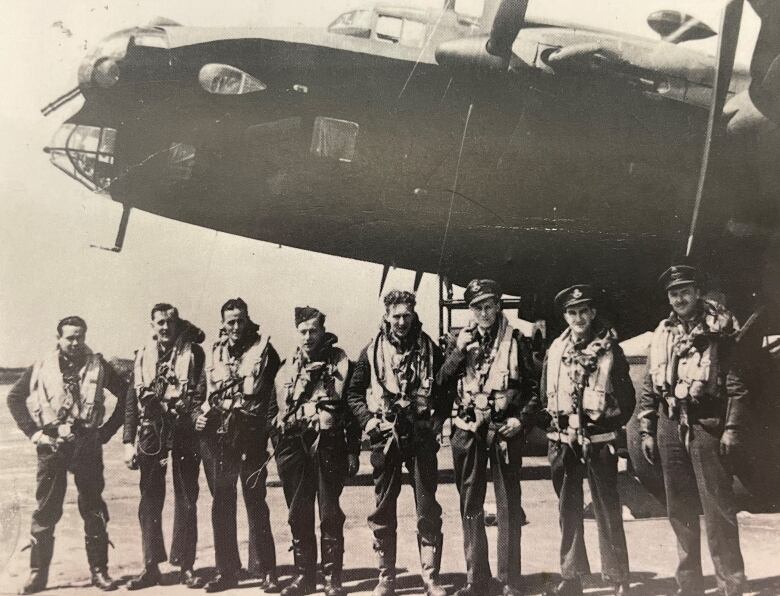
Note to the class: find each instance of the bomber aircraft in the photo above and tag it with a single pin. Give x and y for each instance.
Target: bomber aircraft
(473, 138)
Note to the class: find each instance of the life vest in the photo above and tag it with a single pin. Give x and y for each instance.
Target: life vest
(386, 391)
(248, 367)
(686, 364)
(48, 397)
(564, 369)
(180, 364)
(486, 390)
(313, 404)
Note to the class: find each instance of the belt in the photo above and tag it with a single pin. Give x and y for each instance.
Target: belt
(560, 437)
(711, 408)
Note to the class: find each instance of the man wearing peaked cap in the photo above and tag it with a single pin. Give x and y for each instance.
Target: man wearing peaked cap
(490, 363)
(318, 447)
(573, 296)
(232, 424)
(586, 396)
(678, 275)
(481, 289)
(694, 404)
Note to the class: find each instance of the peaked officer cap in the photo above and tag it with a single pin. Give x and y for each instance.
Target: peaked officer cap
(577, 294)
(678, 275)
(480, 289)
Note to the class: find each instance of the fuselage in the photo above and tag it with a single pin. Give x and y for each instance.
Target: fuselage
(356, 142)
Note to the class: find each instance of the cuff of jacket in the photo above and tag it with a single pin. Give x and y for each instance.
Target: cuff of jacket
(353, 447)
(128, 437)
(735, 415)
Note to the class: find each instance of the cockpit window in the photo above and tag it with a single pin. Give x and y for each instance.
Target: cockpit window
(356, 23)
(404, 31)
(389, 28)
(85, 153)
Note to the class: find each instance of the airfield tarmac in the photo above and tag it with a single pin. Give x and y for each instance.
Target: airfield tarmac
(650, 538)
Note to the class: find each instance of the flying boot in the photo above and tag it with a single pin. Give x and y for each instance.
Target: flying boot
(41, 550)
(430, 564)
(305, 580)
(385, 550)
(97, 557)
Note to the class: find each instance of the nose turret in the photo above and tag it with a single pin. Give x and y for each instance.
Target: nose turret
(104, 66)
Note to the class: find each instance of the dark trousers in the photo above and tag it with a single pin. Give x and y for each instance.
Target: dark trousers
(307, 474)
(694, 478)
(84, 458)
(153, 463)
(568, 473)
(225, 465)
(470, 456)
(418, 453)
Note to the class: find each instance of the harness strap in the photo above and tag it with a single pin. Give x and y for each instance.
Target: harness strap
(560, 437)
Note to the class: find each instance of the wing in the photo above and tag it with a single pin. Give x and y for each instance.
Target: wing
(662, 69)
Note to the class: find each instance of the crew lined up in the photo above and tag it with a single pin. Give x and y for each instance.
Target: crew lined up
(314, 407)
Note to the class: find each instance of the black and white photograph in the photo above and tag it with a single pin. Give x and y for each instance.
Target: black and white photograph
(390, 297)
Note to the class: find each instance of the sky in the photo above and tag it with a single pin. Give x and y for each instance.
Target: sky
(48, 222)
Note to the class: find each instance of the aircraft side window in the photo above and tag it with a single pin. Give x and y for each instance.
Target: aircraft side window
(389, 28)
(223, 79)
(334, 139)
(413, 34)
(181, 160)
(356, 23)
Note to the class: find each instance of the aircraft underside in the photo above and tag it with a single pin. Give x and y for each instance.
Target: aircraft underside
(539, 182)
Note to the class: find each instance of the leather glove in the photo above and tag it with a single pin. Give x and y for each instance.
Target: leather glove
(373, 432)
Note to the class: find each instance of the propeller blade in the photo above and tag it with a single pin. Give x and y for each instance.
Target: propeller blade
(385, 271)
(507, 23)
(418, 275)
(727, 48)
